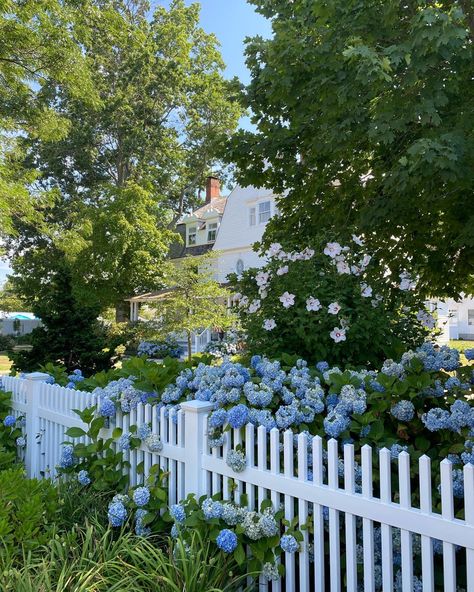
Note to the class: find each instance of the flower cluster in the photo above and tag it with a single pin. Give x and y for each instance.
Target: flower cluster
(119, 392)
(168, 348)
(74, 379)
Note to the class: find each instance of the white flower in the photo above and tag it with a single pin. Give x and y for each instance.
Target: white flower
(338, 334)
(287, 299)
(365, 261)
(358, 240)
(237, 297)
(283, 256)
(269, 324)
(307, 253)
(263, 292)
(274, 249)
(365, 290)
(406, 282)
(313, 304)
(254, 306)
(426, 319)
(282, 270)
(343, 267)
(262, 278)
(334, 308)
(243, 301)
(332, 249)
(356, 270)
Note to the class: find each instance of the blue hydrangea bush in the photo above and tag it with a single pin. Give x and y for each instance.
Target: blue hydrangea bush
(168, 348)
(331, 302)
(12, 438)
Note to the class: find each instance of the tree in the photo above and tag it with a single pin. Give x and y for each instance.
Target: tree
(9, 299)
(36, 47)
(364, 115)
(195, 300)
(70, 335)
(131, 163)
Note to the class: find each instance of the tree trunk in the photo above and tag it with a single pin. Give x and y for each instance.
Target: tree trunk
(122, 312)
(189, 346)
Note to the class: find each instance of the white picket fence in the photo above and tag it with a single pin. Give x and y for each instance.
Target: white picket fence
(352, 536)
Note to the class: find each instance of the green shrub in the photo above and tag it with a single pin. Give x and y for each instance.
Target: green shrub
(341, 307)
(28, 510)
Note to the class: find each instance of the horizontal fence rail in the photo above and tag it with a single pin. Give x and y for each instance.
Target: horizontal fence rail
(367, 526)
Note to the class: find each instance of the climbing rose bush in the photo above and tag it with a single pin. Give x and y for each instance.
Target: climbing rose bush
(334, 302)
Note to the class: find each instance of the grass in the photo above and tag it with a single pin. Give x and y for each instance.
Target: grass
(5, 363)
(461, 345)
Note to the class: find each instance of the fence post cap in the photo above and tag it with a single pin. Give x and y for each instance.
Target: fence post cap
(37, 376)
(197, 406)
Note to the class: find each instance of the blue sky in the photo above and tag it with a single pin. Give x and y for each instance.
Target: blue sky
(231, 21)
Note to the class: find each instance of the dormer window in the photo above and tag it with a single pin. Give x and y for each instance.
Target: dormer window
(192, 236)
(211, 232)
(252, 217)
(264, 212)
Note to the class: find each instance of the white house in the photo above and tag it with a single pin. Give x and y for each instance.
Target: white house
(229, 225)
(455, 318)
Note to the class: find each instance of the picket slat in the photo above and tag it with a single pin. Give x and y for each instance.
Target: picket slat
(334, 542)
(303, 559)
(351, 542)
(447, 510)
(385, 461)
(469, 516)
(427, 566)
(367, 524)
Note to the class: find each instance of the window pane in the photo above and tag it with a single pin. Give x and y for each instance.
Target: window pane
(252, 217)
(470, 317)
(192, 235)
(263, 212)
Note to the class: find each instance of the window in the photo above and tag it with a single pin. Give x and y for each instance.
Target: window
(264, 213)
(192, 236)
(470, 317)
(239, 267)
(211, 232)
(252, 218)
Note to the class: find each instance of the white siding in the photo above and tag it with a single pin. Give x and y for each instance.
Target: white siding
(236, 235)
(453, 318)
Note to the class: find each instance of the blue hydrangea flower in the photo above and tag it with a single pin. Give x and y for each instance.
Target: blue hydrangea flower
(436, 419)
(452, 382)
(395, 450)
(117, 513)
(9, 421)
(124, 441)
(270, 572)
(21, 442)
(469, 353)
(107, 408)
(178, 513)
(322, 366)
(335, 425)
(403, 411)
(238, 416)
(67, 457)
(218, 418)
(83, 478)
(227, 540)
(236, 460)
(140, 528)
(144, 431)
(211, 509)
(141, 496)
(289, 544)
(153, 443)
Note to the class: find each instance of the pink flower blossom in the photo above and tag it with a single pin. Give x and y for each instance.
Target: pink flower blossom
(332, 250)
(338, 334)
(334, 308)
(287, 299)
(313, 304)
(269, 324)
(282, 270)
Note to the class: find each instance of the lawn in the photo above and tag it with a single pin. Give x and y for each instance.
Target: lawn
(461, 344)
(5, 364)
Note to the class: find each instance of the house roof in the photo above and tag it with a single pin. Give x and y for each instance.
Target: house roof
(217, 204)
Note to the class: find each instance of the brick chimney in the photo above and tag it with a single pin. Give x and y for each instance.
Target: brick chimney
(213, 189)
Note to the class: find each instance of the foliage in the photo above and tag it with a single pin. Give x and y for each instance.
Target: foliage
(195, 300)
(231, 344)
(27, 514)
(70, 335)
(257, 533)
(367, 127)
(333, 303)
(37, 46)
(9, 299)
(93, 558)
(6, 342)
(10, 431)
(131, 163)
(168, 348)
(193, 566)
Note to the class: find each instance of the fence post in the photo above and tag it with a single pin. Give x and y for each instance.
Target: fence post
(195, 413)
(32, 390)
